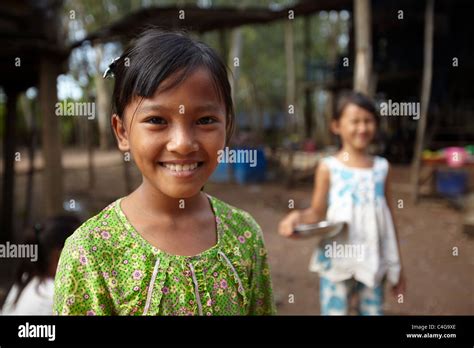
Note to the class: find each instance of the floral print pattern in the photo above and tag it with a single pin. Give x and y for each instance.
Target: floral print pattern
(107, 268)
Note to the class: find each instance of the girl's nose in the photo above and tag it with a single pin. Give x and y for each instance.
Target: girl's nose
(362, 128)
(182, 141)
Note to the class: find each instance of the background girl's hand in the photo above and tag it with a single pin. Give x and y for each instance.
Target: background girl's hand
(399, 289)
(287, 225)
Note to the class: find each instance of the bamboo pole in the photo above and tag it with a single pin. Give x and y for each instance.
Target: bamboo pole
(363, 43)
(425, 96)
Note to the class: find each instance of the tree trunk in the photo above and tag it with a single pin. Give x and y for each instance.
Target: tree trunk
(425, 96)
(363, 43)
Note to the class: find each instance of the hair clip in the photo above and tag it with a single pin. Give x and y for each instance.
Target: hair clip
(109, 72)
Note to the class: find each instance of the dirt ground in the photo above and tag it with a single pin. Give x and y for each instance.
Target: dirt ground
(437, 281)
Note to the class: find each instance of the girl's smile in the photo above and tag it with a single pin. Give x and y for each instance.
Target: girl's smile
(182, 168)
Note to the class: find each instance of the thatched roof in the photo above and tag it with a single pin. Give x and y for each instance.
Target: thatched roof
(205, 19)
(24, 37)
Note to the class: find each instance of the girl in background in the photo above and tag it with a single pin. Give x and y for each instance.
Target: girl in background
(32, 292)
(353, 187)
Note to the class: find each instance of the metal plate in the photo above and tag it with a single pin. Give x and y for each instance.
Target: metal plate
(323, 229)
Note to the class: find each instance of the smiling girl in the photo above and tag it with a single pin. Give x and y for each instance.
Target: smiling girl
(353, 187)
(168, 248)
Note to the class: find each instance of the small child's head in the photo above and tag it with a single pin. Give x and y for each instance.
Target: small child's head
(355, 120)
(172, 109)
(49, 236)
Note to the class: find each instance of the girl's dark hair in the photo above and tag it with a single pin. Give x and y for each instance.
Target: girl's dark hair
(357, 98)
(49, 235)
(156, 55)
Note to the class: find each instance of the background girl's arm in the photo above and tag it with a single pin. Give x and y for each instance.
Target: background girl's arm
(400, 287)
(317, 211)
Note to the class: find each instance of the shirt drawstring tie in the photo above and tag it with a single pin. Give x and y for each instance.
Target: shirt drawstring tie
(151, 286)
(241, 288)
(196, 288)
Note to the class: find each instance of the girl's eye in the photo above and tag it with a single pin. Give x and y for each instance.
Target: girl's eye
(156, 120)
(206, 120)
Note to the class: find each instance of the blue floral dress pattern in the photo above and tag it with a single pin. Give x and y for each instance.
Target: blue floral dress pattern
(357, 197)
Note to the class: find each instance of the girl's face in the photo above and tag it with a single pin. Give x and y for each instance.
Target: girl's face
(175, 135)
(356, 127)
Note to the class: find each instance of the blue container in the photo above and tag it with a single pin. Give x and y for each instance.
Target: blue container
(244, 173)
(222, 173)
(452, 182)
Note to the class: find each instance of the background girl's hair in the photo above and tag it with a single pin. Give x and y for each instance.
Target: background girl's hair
(49, 236)
(155, 56)
(357, 98)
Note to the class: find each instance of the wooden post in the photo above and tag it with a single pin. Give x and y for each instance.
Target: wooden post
(328, 115)
(234, 57)
(51, 137)
(9, 166)
(308, 100)
(324, 135)
(290, 73)
(30, 120)
(291, 121)
(102, 102)
(90, 155)
(363, 43)
(235, 51)
(223, 43)
(425, 96)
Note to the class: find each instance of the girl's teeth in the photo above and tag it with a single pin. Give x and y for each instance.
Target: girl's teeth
(180, 168)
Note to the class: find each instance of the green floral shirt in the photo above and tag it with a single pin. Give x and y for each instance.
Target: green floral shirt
(108, 268)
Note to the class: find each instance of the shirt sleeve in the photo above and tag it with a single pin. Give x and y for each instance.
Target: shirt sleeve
(80, 288)
(261, 291)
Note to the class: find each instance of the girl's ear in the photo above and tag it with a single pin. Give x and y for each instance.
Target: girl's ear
(120, 133)
(335, 127)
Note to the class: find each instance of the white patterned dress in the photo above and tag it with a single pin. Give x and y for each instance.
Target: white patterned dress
(370, 252)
